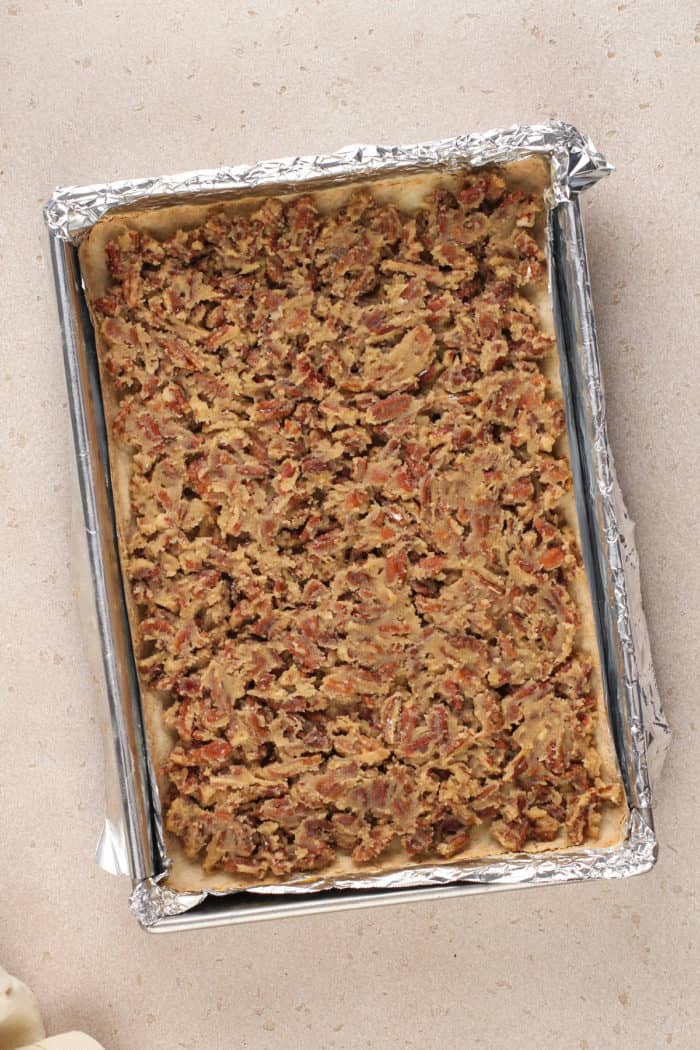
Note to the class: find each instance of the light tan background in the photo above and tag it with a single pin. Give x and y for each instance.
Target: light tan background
(92, 91)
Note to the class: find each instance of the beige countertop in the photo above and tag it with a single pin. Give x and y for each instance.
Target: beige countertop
(94, 91)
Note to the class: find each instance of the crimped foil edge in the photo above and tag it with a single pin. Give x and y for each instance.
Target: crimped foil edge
(576, 164)
(151, 903)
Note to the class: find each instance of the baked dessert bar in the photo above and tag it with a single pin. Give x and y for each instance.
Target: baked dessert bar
(361, 622)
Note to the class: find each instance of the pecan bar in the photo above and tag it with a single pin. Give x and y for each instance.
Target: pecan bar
(338, 443)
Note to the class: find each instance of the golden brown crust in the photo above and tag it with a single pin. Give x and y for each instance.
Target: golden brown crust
(263, 825)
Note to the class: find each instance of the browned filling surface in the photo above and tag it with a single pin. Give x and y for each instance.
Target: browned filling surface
(347, 552)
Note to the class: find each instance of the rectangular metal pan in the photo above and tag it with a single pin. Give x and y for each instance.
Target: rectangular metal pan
(132, 841)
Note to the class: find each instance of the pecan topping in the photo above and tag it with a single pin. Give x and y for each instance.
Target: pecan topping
(347, 553)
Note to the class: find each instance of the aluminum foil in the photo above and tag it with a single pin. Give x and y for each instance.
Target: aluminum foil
(132, 840)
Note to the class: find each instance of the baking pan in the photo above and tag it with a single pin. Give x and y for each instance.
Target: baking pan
(132, 840)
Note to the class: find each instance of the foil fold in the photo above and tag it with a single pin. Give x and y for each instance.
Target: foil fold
(150, 902)
(639, 853)
(133, 839)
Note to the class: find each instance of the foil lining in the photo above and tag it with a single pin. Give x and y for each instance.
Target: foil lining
(132, 839)
(622, 621)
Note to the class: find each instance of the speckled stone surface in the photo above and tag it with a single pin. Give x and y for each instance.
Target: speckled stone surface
(93, 91)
